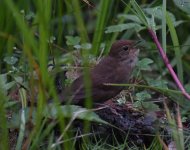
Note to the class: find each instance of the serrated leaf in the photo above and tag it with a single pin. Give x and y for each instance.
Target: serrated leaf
(71, 40)
(11, 60)
(30, 15)
(157, 13)
(150, 106)
(157, 83)
(183, 5)
(141, 96)
(86, 46)
(122, 27)
(144, 64)
(77, 46)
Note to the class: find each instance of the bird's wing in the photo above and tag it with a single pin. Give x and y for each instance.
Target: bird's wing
(98, 91)
(100, 75)
(106, 73)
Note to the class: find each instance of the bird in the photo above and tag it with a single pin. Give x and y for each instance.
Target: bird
(116, 68)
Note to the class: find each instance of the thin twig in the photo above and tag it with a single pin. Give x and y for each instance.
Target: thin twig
(167, 63)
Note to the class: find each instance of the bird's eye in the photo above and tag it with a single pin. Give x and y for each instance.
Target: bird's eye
(125, 48)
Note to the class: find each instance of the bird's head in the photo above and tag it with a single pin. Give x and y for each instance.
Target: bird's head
(125, 51)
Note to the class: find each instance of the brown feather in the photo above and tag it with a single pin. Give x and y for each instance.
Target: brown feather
(114, 68)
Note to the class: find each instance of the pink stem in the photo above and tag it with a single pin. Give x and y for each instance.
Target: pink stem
(167, 63)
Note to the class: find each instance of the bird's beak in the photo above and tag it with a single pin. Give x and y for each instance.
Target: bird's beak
(137, 52)
(137, 43)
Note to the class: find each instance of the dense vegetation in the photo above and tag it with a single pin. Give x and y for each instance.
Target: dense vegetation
(46, 41)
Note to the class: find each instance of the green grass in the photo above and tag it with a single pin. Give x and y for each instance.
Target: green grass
(27, 47)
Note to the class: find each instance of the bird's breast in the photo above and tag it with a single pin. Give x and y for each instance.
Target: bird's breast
(123, 73)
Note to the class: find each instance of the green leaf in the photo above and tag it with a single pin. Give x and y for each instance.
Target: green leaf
(15, 120)
(30, 15)
(127, 17)
(3, 78)
(144, 95)
(52, 39)
(122, 27)
(176, 44)
(144, 64)
(9, 85)
(18, 79)
(183, 5)
(141, 97)
(10, 104)
(157, 13)
(77, 46)
(150, 106)
(3, 82)
(71, 40)
(157, 83)
(11, 60)
(71, 111)
(86, 46)
(187, 87)
(138, 11)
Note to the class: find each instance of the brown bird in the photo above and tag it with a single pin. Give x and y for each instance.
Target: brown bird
(114, 68)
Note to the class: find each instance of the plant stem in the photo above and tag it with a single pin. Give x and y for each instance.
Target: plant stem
(167, 63)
